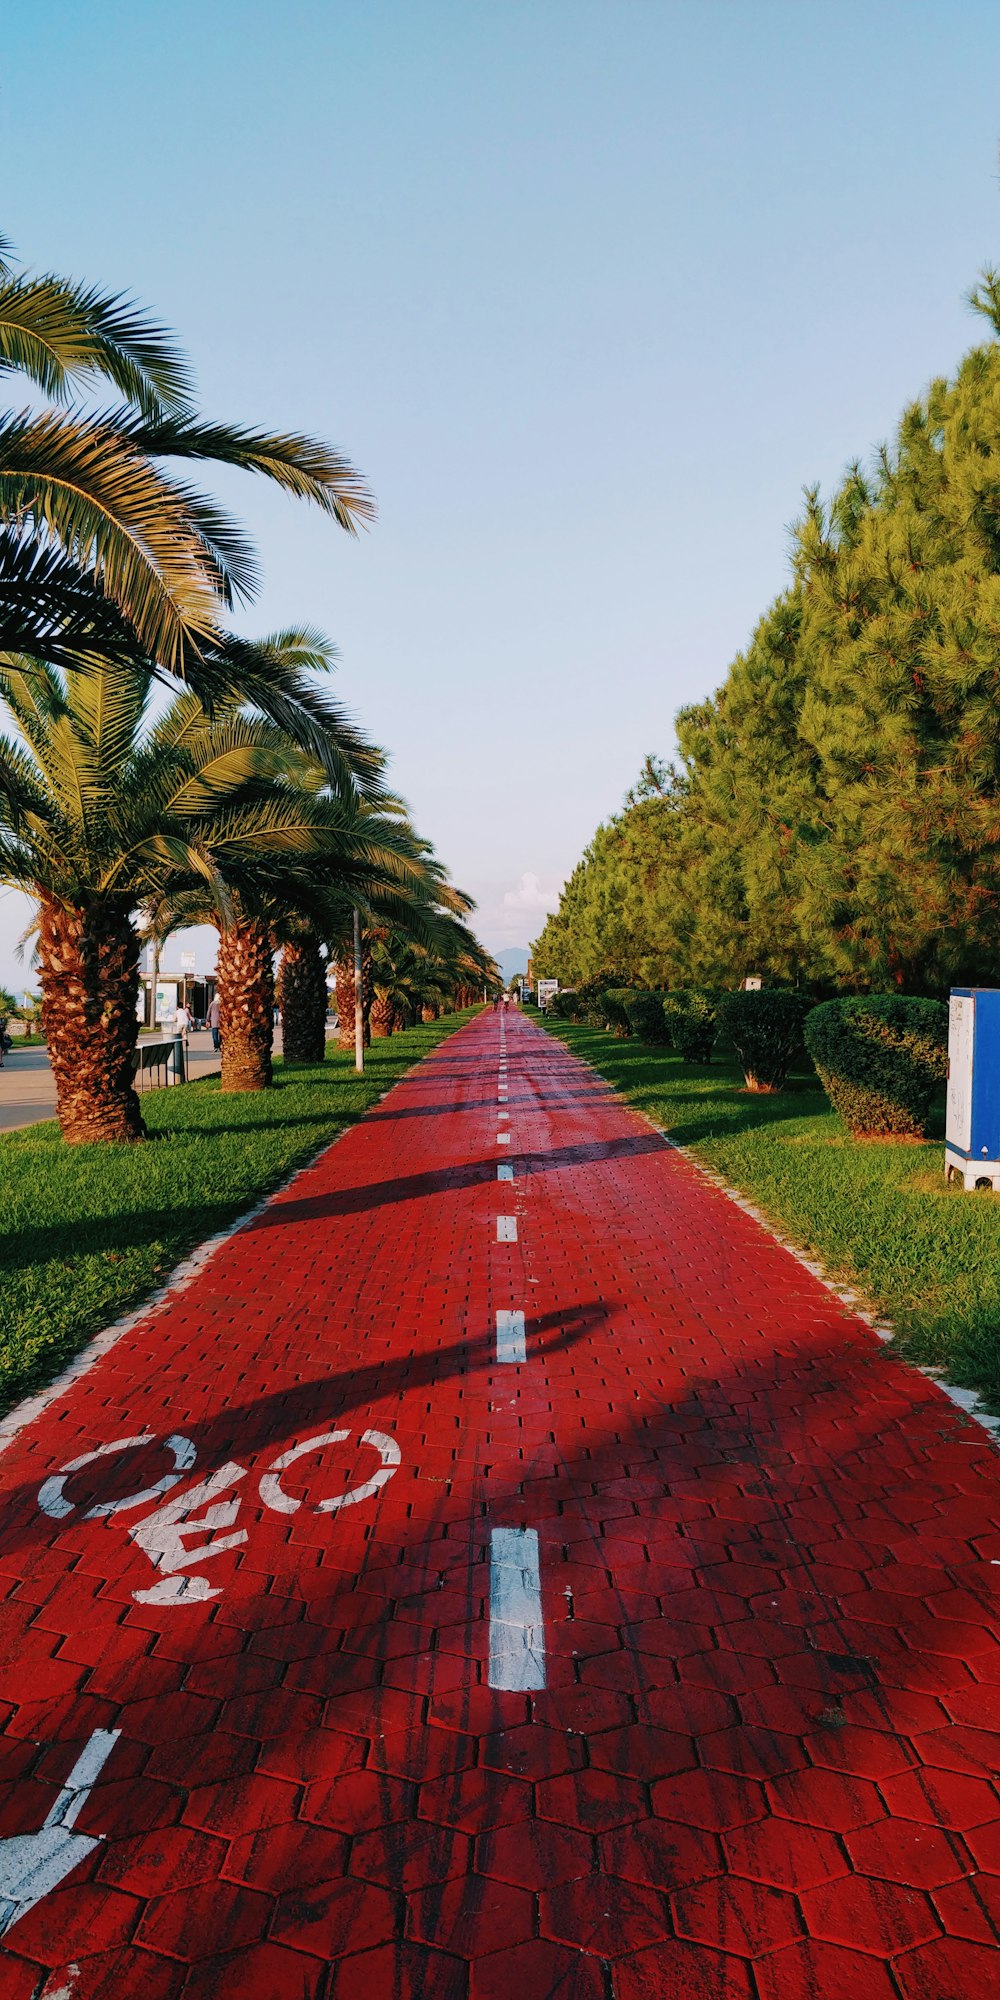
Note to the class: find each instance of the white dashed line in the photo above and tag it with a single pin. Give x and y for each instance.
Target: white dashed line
(504, 1172)
(506, 1228)
(517, 1632)
(503, 1138)
(510, 1337)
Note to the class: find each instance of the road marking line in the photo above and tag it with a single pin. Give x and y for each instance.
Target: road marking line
(32, 1864)
(510, 1337)
(503, 1138)
(506, 1228)
(504, 1172)
(503, 1116)
(517, 1631)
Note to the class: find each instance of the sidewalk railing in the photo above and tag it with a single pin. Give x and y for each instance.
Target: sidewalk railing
(159, 1064)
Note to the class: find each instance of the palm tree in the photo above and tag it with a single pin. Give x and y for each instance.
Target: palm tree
(301, 990)
(355, 856)
(102, 809)
(85, 498)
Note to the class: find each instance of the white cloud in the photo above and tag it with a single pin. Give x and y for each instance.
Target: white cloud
(532, 895)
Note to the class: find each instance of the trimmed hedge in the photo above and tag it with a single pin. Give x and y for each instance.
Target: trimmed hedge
(880, 1058)
(765, 1029)
(615, 1006)
(645, 1013)
(565, 1004)
(692, 1022)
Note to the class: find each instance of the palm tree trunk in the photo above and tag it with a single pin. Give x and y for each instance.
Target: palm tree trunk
(383, 1015)
(302, 999)
(90, 989)
(367, 990)
(245, 973)
(344, 973)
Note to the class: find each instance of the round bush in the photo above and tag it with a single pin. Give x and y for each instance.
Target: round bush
(564, 1004)
(765, 1029)
(880, 1058)
(692, 1022)
(645, 1013)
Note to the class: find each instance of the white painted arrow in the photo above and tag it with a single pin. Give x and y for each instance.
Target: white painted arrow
(31, 1864)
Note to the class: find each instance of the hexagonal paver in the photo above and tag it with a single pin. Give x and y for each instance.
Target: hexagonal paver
(530, 1750)
(535, 1971)
(899, 1850)
(604, 1914)
(949, 1966)
(752, 1753)
(785, 1853)
(661, 1852)
(201, 1921)
(344, 1915)
(872, 1915)
(687, 1971)
(811, 1968)
(826, 1798)
(592, 1800)
(358, 1801)
(971, 1908)
(422, 1753)
(151, 1863)
(710, 1799)
(866, 1753)
(535, 1853)
(295, 1856)
(735, 1915)
(314, 1753)
(642, 1751)
(411, 1854)
(474, 1800)
(406, 1971)
(242, 1805)
(462, 1916)
(941, 1798)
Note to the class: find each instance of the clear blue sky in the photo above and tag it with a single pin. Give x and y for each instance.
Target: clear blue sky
(588, 288)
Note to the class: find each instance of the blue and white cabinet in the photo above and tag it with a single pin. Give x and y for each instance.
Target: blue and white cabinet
(972, 1135)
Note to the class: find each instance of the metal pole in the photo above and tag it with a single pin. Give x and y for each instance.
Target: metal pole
(359, 1018)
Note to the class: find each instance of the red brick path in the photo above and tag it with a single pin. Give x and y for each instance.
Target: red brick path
(763, 1766)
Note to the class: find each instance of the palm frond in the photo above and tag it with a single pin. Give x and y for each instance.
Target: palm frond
(56, 332)
(300, 465)
(117, 517)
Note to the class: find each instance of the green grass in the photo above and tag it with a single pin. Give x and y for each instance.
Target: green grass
(877, 1214)
(89, 1231)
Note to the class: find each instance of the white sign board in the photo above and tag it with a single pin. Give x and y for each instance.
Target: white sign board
(961, 1032)
(189, 960)
(546, 988)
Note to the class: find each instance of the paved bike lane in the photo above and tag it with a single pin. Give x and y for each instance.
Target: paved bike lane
(502, 1568)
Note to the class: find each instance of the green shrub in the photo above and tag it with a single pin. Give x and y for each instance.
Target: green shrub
(765, 1029)
(565, 1004)
(615, 1004)
(880, 1058)
(645, 1013)
(692, 1022)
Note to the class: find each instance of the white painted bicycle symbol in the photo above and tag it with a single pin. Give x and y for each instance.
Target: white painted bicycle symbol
(187, 1530)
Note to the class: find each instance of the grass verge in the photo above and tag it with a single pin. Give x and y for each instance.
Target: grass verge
(89, 1231)
(879, 1215)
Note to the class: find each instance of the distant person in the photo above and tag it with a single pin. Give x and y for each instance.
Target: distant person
(215, 1023)
(182, 1021)
(504, 1004)
(4, 1041)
